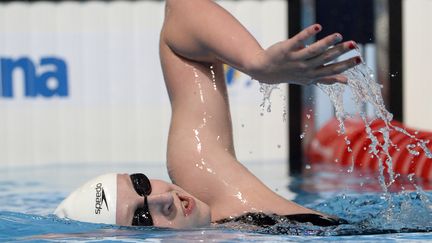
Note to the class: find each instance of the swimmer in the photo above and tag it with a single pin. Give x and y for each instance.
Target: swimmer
(209, 183)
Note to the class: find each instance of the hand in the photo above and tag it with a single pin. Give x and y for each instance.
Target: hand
(291, 62)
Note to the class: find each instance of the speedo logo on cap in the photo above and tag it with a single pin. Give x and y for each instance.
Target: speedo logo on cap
(100, 199)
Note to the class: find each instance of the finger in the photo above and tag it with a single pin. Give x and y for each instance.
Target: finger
(332, 79)
(297, 41)
(338, 67)
(299, 47)
(318, 47)
(332, 53)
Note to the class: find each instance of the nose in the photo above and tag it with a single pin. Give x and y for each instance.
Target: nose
(163, 203)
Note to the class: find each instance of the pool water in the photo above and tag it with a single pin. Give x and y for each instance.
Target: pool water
(29, 194)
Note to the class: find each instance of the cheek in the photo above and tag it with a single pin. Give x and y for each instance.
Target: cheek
(123, 216)
(204, 215)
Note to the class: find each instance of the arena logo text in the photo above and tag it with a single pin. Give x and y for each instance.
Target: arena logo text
(46, 79)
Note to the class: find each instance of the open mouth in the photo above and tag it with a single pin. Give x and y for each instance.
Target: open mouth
(188, 204)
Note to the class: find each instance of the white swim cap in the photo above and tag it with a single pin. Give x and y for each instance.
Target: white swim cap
(93, 202)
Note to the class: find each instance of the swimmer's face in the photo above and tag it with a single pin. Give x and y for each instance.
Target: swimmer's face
(169, 205)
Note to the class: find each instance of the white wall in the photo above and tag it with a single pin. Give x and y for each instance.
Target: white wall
(417, 64)
(116, 108)
(259, 137)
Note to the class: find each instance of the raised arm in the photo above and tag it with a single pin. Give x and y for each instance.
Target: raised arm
(197, 37)
(204, 31)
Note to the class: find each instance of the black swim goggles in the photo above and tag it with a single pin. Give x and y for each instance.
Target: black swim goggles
(143, 187)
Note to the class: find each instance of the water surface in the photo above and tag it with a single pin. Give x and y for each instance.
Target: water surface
(28, 195)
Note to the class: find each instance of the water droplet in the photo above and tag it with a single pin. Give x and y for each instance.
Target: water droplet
(411, 177)
(266, 105)
(213, 77)
(302, 135)
(410, 148)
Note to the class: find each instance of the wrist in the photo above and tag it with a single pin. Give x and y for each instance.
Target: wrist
(258, 68)
(255, 65)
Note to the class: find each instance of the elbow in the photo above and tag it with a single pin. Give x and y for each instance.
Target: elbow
(173, 4)
(169, 3)
(185, 4)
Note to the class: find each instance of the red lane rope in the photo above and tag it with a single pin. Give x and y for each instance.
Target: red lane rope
(330, 146)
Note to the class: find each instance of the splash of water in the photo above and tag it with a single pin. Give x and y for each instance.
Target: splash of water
(266, 104)
(266, 90)
(367, 91)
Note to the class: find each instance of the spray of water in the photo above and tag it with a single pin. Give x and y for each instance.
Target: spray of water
(266, 90)
(266, 104)
(367, 91)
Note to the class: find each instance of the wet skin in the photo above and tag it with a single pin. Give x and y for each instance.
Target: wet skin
(170, 206)
(193, 48)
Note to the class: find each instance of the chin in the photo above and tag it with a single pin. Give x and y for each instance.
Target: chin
(204, 215)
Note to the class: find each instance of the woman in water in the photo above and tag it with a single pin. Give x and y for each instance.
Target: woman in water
(209, 183)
